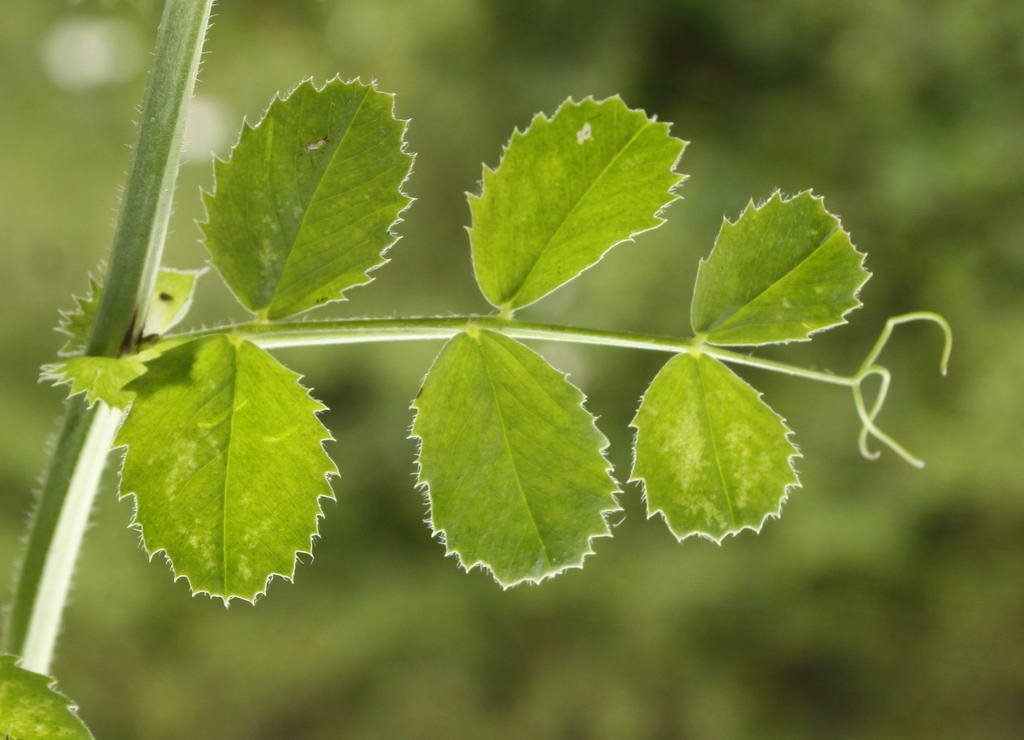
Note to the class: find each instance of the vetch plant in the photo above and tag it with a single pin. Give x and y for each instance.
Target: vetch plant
(223, 451)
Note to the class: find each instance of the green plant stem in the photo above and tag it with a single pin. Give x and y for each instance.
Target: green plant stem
(69, 488)
(780, 367)
(351, 331)
(78, 420)
(61, 517)
(270, 335)
(149, 191)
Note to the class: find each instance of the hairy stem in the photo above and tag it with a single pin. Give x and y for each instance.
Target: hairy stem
(64, 508)
(149, 191)
(62, 512)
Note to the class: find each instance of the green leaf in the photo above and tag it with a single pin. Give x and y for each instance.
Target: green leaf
(566, 192)
(512, 463)
(714, 459)
(171, 299)
(104, 378)
(100, 378)
(304, 206)
(77, 323)
(226, 464)
(783, 271)
(32, 709)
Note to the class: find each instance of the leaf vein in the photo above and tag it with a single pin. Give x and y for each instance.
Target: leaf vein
(714, 446)
(313, 196)
(511, 456)
(576, 206)
(739, 311)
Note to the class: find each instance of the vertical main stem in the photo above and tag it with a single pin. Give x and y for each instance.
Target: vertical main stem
(68, 525)
(69, 488)
(78, 420)
(149, 191)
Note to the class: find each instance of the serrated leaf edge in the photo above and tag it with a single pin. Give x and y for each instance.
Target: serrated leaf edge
(777, 193)
(69, 704)
(96, 280)
(246, 125)
(786, 489)
(56, 374)
(517, 133)
(314, 535)
(423, 486)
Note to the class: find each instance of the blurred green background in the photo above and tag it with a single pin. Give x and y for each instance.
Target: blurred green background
(886, 603)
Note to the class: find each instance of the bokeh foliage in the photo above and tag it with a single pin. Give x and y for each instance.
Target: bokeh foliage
(886, 602)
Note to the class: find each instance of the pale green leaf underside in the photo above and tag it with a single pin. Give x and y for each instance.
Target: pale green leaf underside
(513, 464)
(226, 465)
(171, 299)
(783, 271)
(713, 457)
(566, 191)
(100, 378)
(304, 207)
(31, 709)
(104, 378)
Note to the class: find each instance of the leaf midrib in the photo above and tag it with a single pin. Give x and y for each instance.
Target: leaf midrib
(310, 276)
(576, 205)
(714, 446)
(508, 449)
(227, 464)
(313, 195)
(723, 323)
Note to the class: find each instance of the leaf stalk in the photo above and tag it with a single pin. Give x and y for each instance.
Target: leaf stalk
(270, 335)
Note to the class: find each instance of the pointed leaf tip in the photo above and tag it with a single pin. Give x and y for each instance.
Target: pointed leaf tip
(566, 191)
(76, 324)
(304, 207)
(783, 271)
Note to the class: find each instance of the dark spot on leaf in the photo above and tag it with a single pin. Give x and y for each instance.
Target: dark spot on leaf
(166, 297)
